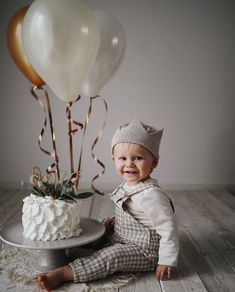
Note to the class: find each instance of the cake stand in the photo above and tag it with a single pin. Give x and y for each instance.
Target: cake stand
(52, 253)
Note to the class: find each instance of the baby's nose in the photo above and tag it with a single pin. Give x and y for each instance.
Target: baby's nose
(129, 163)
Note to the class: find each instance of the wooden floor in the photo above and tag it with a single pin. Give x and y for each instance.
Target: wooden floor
(206, 221)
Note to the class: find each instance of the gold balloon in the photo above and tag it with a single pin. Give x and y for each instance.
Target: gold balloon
(16, 49)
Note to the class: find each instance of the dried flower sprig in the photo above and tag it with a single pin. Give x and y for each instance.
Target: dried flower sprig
(46, 185)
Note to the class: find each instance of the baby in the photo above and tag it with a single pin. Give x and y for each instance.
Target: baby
(144, 235)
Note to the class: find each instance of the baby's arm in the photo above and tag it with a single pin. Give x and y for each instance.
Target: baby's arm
(157, 206)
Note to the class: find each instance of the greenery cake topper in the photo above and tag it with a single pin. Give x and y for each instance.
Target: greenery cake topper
(65, 190)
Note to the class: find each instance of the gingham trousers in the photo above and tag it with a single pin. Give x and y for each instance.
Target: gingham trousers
(133, 248)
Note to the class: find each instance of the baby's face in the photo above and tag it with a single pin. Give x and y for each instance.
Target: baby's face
(133, 162)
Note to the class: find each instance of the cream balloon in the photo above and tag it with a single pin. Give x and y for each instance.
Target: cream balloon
(110, 53)
(61, 40)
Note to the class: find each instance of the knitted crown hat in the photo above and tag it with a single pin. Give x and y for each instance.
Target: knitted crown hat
(138, 133)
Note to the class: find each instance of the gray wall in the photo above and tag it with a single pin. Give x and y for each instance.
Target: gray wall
(178, 73)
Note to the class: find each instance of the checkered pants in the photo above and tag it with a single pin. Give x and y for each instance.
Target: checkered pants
(115, 258)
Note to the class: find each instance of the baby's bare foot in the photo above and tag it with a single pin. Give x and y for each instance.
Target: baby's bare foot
(54, 279)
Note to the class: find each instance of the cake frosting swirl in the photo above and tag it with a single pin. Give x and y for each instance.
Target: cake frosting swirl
(48, 219)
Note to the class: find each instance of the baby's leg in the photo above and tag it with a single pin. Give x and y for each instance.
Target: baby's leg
(115, 258)
(55, 278)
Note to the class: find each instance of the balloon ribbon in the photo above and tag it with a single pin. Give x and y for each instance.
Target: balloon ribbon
(97, 139)
(54, 167)
(72, 131)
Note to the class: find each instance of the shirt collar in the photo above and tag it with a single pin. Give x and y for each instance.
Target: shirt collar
(140, 184)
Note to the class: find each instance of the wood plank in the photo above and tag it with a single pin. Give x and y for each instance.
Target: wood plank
(199, 213)
(183, 280)
(216, 206)
(226, 197)
(205, 239)
(173, 285)
(215, 260)
(10, 207)
(6, 194)
(189, 278)
(230, 258)
(17, 215)
(144, 282)
(221, 217)
(199, 264)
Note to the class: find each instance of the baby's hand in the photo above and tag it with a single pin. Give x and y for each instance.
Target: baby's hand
(109, 223)
(163, 272)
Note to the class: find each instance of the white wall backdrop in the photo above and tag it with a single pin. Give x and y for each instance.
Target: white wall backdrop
(178, 73)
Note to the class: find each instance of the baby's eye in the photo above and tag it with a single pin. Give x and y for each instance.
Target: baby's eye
(138, 158)
(122, 158)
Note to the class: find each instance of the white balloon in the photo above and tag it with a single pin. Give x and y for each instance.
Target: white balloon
(110, 53)
(61, 40)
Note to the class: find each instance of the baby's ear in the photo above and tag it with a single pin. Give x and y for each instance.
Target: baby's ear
(113, 158)
(155, 163)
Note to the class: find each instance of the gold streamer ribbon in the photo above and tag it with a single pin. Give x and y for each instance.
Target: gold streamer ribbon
(72, 131)
(54, 167)
(97, 139)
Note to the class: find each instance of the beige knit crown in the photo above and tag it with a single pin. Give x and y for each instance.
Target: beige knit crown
(138, 133)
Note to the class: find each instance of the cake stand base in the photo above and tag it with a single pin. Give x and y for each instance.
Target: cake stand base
(50, 260)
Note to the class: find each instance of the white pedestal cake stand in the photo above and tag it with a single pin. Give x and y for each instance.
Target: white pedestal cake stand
(52, 253)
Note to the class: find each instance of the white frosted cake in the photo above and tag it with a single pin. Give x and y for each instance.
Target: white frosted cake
(48, 219)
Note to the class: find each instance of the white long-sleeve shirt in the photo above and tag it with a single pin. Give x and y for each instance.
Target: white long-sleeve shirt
(152, 209)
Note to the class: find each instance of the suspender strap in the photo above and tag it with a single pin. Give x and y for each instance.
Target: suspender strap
(120, 194)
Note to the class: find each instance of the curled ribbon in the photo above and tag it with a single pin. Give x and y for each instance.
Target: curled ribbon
(54, 167)
(97, 139)
(72, 131)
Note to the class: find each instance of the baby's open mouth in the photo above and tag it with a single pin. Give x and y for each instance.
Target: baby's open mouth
(130, 171)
